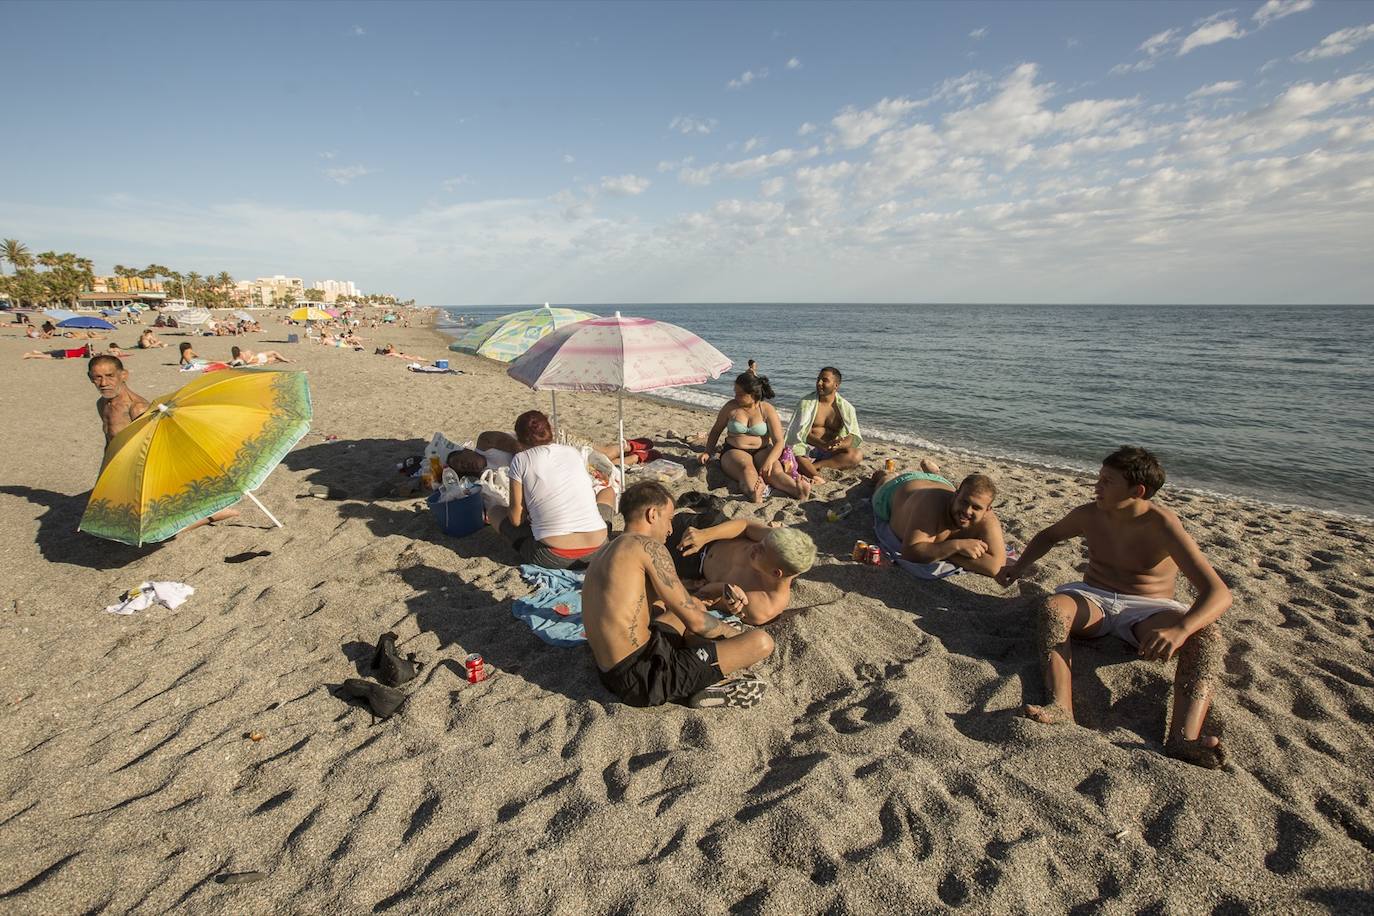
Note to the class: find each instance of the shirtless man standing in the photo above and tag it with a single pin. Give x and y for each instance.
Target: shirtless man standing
(1135, 553)
(118, 406)
(933, 521)
(740, 566)
(824, 432)
(637, 613)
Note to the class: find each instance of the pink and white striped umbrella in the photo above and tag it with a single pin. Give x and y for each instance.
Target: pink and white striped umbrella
(617, 354)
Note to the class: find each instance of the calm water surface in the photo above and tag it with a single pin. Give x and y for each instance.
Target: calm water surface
(1275, 403)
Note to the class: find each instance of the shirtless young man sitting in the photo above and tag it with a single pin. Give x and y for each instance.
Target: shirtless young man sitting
(741, 567)
(637, 614)
(119, 406)
(824, 432)
(1135, 553)
(933, 521)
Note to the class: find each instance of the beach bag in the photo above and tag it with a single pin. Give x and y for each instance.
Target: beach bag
(440, 446)
(495, 488)
(603, 471)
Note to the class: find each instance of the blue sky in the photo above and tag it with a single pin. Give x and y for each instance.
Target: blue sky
(680, 152)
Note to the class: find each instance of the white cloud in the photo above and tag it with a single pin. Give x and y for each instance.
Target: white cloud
(794, 63)
(568, 159)
(751, 144)
(1220, 88)
(978, 34)
(347, 173)
(1153, 48)
(453, 184)
(624, 185)
(745, 168)
(1337, 43)
(328, 154)
(747, 77)
(1273, 10)
(805, 129)
(672, 165)
(691, 124)
(1210, 34)
(772, 187)
(854, 127)
(358, 30)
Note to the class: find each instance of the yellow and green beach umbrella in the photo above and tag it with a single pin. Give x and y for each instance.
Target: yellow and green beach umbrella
(507, 338)
(196, 452)
(310, 313)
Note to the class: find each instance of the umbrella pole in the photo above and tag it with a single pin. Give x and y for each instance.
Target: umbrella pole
(554, 395)
(263, 508)
(620, 417)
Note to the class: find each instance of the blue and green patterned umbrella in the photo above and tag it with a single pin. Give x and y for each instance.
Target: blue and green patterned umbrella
(507, 338)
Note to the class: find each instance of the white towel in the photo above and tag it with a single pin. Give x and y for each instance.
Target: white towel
(170, 595)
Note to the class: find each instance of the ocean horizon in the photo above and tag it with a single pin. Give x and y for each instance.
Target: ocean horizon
(1264, 402)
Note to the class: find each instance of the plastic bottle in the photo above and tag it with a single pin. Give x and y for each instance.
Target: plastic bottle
(839, 512)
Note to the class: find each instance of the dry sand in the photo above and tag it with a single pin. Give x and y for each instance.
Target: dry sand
(885, 770)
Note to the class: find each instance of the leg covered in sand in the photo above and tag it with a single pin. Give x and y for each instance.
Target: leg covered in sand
(1200, 664)
(1057, 620)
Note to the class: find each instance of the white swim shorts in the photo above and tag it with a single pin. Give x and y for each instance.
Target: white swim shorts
(1120, 612)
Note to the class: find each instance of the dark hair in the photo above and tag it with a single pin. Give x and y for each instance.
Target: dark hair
(49, 326)
(1138, 466)
(756, 386)
(104, 358)
(235, 352)
(643, 495)
(833, 371)
(532, 428)
(979, 483)
(184, 346)
(466, 462)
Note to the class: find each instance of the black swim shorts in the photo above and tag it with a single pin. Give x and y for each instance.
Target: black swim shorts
(663, 670)
(692, 567)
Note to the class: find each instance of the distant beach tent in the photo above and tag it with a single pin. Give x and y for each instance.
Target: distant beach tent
(194, 316)
(87, 322)
(618, 354)
(510, 336)
(196, 452)
(310, 313)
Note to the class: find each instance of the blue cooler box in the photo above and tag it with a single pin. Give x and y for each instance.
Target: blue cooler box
(458, 517)
(441, 364)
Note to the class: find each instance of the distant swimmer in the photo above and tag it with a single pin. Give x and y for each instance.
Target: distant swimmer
(1136, 550)
(824, 432)
(653, 642)
(934, 521)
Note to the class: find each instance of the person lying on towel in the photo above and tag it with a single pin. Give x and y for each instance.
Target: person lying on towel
(934, 521)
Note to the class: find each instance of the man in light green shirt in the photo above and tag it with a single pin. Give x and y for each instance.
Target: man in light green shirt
(824, 432)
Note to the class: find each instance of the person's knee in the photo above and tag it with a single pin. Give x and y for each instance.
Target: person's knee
(762, 644)
(851, 457)
(1204, 652)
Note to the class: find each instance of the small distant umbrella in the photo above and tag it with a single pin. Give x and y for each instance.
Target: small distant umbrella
(241, 315)
(59, 314)
(389, 318)
(333, 313)
(194, 316)
(510, 336)
(309, 313)
(87, 322)
(174, 307)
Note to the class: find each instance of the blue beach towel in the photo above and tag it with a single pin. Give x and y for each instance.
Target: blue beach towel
(554, 587)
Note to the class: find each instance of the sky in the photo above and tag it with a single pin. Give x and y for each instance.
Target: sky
(626, 152)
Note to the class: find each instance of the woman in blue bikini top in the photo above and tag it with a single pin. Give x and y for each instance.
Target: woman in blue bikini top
(753, 455)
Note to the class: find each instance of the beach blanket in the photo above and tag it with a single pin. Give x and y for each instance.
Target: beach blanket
(432, 370)
(170, 595)
(555, 588)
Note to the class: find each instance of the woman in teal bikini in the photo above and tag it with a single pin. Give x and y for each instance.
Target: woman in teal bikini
(754, 454)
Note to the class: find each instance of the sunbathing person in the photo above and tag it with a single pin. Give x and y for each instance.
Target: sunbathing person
(755, 454)
(390, 350)
(114, 350)
(188, 356)
(83, 335)
(554, 520)
(73, 353)
(740, 566)
(242, 356)
(148, 340)
(637, 615)
(932, 521)
(1135, 553)
(824, 432)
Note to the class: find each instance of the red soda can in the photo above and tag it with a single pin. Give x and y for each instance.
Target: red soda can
(875, 555)
(860, 552)
(476, 668)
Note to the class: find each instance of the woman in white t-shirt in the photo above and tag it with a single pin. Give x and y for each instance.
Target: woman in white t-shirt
(554, 520)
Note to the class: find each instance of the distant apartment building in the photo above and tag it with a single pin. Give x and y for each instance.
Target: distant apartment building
(275, 290)
(336, 289)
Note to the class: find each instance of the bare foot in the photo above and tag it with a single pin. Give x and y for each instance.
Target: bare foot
(930, 467)
(759, 487)
(1049, 714)
(817, 476)
(804, 488)
(1205, 752)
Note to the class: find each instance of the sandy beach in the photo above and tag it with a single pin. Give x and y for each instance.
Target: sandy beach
(885, 770)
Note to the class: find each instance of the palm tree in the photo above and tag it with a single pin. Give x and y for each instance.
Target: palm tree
(16, 252)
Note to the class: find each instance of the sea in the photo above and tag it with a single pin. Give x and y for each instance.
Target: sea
(1272, 403)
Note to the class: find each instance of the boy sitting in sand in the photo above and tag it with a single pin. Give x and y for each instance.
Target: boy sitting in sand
(932, 521)
(1135, 552)
(744, 567)
(637, 613)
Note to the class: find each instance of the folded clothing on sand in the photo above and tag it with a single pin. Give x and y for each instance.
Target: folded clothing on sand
(170, 595)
